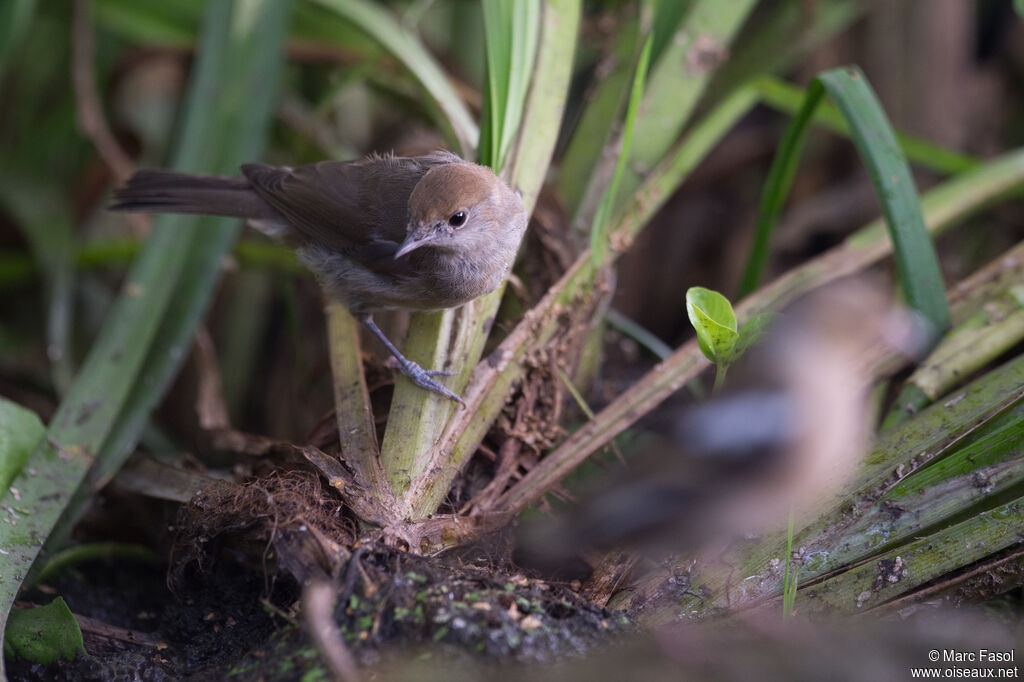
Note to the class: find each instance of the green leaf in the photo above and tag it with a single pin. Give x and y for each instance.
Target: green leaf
(20, 434)
(777, 184)
(144, 339)
(602, 109)
(512, 32)
(873, 136)
(789, 99)
(668, 16)
(152, 22)
(43, 634)
(378, 23)
(712, 317)
(599, 232)
(679, 79)
(916, 262)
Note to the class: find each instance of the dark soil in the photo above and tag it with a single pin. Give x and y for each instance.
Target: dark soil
(233, 622)
(197, 634)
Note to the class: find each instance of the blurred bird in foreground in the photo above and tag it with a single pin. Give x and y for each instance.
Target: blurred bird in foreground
(382, 233)
(785, 433)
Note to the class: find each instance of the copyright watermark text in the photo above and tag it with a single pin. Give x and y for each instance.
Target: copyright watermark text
(975, 664)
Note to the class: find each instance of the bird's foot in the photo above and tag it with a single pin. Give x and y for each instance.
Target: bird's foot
(422, 378)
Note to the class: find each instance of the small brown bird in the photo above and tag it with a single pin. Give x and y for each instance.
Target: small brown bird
(381, 233)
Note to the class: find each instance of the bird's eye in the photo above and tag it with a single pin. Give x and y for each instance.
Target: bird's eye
(458, 219)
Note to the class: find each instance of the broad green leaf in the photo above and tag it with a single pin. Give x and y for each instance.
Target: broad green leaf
(43, 634)
(20, 433)
(712, 317)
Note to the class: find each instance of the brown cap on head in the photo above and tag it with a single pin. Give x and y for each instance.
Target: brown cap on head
(450, 188)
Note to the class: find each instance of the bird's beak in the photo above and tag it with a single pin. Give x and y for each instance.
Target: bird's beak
(415, 240)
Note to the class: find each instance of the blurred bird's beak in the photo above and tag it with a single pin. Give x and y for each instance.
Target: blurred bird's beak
(417, 238)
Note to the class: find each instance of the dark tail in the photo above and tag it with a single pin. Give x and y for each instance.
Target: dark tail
(163, 191)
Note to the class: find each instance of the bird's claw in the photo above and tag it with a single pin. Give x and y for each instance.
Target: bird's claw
(422, 378)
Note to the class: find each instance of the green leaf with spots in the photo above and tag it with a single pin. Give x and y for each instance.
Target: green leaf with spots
(42, 634)
(712, 316)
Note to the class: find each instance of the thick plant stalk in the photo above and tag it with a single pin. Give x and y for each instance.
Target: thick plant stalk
(532, 150)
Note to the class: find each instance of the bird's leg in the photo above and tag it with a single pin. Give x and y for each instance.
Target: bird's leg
(419, 376)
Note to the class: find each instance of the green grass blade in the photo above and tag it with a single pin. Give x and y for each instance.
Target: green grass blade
(46, 221)
(152, 22)
(241, 75)
(397, 40)
(776, 186)
(646, 338)
(677, 82)
(913, 250)
(599, 231)
(873, 136)
(781, 40)
(673, 88)
(668, 16)
(511, 29)
(789, 99)
(145, 336)
(602, 108)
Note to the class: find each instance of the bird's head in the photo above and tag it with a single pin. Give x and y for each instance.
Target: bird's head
(462, 206)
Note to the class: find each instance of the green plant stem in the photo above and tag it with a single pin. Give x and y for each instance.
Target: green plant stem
(642, 336)
(789, 581)
(359, 449)
(720, 371)
(531, 151)
(93, 551)
(986, 309)
(921, 561)
(599, 229)
(776, 186)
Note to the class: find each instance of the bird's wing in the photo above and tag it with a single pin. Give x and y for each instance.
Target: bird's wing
(357, 208)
